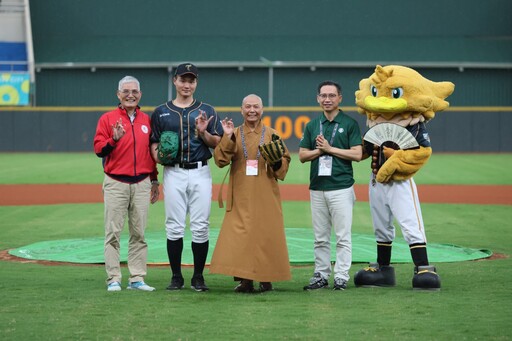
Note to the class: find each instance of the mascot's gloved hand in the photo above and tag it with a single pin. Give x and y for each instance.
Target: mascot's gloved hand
(367, 149)
(403, 164)
(388, 152)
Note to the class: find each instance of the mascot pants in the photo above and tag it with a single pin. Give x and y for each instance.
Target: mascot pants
(396, 200)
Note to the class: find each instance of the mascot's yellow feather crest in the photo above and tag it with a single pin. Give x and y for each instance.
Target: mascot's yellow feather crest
(401, 95)
(398, 91)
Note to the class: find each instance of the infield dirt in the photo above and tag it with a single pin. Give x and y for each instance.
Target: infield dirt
(13, 195)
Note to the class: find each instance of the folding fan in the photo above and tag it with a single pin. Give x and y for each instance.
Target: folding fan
(391, 132)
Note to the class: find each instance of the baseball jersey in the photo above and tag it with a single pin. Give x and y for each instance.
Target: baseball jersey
(168, 117)
(419, 131)
(346, 135)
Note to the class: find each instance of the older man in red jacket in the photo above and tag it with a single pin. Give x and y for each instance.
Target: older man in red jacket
(130, 183)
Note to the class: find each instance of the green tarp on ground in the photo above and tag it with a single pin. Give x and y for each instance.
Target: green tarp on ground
(300, 249)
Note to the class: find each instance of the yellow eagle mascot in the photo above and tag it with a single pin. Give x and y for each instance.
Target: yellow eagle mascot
(397, 102)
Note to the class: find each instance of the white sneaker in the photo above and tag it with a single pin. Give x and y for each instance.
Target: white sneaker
(140, 286)
(114, 286)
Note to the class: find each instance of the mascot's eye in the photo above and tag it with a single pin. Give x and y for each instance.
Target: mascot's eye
(397, 92)
(373, 90)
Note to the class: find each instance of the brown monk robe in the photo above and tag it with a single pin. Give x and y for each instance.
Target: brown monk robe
(251, 245)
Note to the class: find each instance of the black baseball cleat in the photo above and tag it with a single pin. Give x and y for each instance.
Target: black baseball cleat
(375, 276)
(316, 282)
(339, 284)
(197, 283)
(177, 283)
(426, 278)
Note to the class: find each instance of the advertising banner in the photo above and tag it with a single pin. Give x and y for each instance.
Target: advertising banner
(14, 88)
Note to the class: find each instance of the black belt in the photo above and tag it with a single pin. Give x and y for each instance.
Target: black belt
(191, 165)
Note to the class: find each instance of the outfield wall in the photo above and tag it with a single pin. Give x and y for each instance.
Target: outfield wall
(282, 53)
(71, 129)
(289, 86)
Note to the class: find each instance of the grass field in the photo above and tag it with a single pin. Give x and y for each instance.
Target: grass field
(64, 302)
(85, 168)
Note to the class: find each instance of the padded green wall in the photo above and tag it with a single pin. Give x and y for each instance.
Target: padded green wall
(286, 30)
(227, 87)
(357, 32)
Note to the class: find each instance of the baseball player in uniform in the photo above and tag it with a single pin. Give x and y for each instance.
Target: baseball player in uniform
(187, 182)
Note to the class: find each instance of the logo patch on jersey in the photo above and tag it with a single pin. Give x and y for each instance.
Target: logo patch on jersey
(144, 129)
(341, 130)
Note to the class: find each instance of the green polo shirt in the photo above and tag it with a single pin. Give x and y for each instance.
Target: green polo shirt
(346, 136)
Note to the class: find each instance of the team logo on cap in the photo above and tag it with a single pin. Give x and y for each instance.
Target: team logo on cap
(188, 66)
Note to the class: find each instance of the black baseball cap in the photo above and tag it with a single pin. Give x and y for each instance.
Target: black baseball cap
(186, 68)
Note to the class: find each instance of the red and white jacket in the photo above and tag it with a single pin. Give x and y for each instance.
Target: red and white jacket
(128, 159)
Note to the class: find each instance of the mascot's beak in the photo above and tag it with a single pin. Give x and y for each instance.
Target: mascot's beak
(385, 104)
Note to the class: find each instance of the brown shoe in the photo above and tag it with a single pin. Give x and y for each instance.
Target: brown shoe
(266, 286)
(245, 286)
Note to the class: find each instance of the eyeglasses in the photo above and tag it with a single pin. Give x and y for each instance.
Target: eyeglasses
(330, 96)
(127, 92)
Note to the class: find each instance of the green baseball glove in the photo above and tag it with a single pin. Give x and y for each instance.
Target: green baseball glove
(168, 147)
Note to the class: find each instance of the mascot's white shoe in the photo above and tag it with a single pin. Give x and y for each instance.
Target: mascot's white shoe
(375, 276)
(426, 278)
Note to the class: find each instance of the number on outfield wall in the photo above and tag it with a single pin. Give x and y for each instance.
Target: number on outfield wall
(285, 127)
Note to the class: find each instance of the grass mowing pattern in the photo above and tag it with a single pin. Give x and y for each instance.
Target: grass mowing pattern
(85, 168)
(71, 303)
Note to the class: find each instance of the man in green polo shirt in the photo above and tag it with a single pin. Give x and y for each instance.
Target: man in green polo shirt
(331, 142)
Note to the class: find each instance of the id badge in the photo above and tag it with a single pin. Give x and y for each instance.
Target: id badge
(325, 165)
(251, 167)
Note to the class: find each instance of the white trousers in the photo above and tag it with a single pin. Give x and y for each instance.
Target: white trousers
(333, 209)
(187, 191)
(396, 200)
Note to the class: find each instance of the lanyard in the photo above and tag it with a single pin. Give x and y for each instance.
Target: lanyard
(333, 132)
(243, 142)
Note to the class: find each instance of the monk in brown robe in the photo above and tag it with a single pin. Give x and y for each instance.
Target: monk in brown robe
(251, 245)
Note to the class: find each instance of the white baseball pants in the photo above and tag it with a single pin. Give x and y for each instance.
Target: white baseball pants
(187, 191)
(396, 200)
